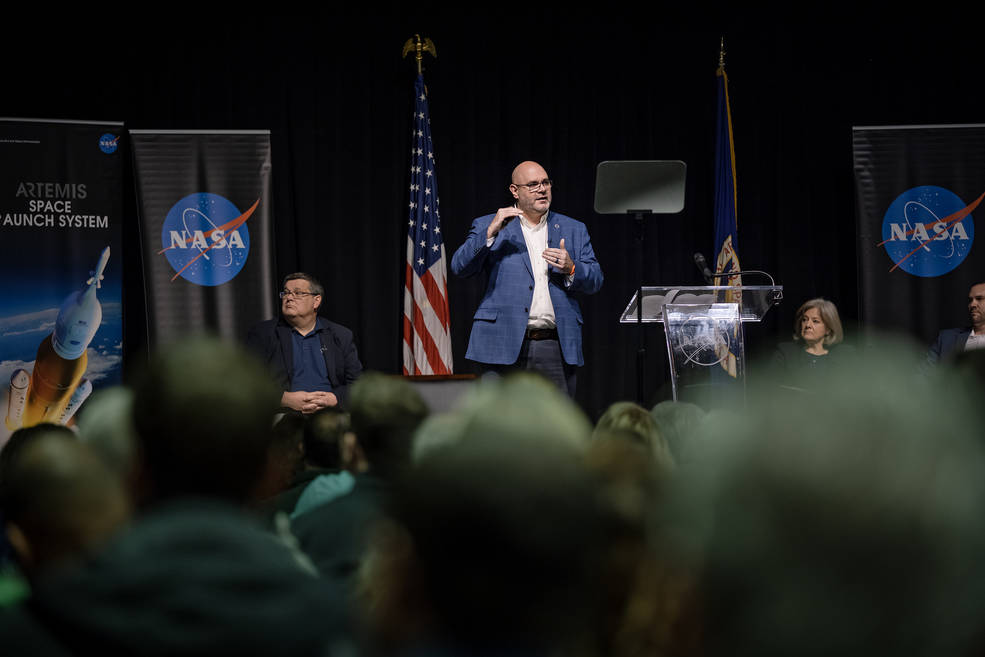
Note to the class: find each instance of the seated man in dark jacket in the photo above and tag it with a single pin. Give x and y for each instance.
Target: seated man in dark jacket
(955, 340)
(312, 359)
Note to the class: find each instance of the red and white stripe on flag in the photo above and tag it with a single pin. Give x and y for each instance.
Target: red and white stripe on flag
(427, 329)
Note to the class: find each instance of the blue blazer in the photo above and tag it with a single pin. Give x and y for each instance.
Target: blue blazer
(500, 321)
(948, 342)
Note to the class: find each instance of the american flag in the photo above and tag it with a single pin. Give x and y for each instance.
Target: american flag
(427, 340)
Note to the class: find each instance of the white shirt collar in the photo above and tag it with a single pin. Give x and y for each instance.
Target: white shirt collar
(538, 225)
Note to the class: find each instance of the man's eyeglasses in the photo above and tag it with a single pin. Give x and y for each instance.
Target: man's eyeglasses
(531, 186)
(297, 294)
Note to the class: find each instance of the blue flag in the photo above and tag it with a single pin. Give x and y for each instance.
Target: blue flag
(726, 228)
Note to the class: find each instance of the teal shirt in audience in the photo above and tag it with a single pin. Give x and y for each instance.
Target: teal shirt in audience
(322, 490)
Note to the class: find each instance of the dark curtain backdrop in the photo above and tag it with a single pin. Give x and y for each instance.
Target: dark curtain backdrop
(568, 88)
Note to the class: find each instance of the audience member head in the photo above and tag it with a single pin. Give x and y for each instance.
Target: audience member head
(676, 421)
(203, 411)
(385, 411)
(633, 420)
(21, 437)
(492, 546)
(60, 500)
(829, 315)
(323, 434)
(644, 610)
(526, 406)
(438, 430)
(284, 456)
(628, 475)
(503, 478)
(854, 530)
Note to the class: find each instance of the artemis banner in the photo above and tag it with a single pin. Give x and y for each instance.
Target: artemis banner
(61, 316)
(919, 190)
(205, 231)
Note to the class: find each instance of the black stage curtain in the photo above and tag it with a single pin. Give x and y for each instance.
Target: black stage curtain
(568, 88)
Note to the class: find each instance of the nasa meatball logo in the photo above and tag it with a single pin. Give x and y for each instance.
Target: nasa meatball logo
(108, 143)
(205, 239)
(928, 231)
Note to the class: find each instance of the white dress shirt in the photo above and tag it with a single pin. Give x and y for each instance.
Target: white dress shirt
(975, 341)
(541, 308)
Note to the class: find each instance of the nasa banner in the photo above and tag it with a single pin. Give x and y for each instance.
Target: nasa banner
(919, 190)
(61, 314)
(205, 231)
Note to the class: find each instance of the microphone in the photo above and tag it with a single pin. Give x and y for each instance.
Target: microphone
(702, 264)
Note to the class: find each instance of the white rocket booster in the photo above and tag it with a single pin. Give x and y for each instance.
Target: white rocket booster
(82, 392)
(61, 359)
(19, 382)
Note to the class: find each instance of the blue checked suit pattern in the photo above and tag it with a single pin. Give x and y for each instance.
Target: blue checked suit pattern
(501, 319)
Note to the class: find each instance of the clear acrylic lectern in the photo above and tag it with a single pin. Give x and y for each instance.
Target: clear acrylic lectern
(705, 340)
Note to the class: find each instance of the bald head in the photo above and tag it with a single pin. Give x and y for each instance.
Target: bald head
(528, 171)
(534, 201)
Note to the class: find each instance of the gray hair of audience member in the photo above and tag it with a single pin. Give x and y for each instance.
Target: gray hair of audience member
(829, 315)
(203, 411)
(106, 424)
(438, 430)
(499, 543)
(676, 421)
(385, 411)
(844, 522)
(313, 283)
(521, 405)
(60, 499)
(632, 419)
(323, 432)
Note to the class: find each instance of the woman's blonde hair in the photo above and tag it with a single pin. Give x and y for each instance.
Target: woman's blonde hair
(829, 315)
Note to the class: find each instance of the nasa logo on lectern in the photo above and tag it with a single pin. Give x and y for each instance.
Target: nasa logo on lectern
(928, 231)
(205, 239)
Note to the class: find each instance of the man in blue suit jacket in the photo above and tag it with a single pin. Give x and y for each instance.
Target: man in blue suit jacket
(955, 340)
(538, 268)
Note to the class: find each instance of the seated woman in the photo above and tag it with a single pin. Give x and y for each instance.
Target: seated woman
(817, 330)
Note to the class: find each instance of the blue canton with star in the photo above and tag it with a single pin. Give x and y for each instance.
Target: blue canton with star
(424, 226)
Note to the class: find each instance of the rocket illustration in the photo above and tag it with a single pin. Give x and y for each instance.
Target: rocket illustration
(19, 381)
(61, 359)
(82, 392)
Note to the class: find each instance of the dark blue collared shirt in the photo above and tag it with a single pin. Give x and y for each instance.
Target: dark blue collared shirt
(310, 373)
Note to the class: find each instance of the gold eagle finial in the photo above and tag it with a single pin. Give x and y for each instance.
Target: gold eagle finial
(419, 47)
